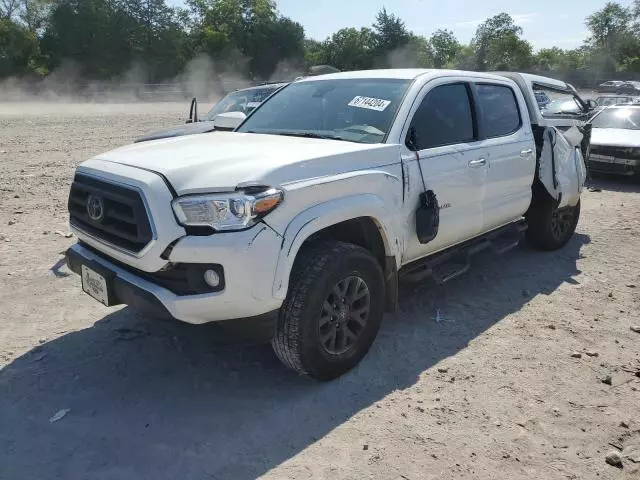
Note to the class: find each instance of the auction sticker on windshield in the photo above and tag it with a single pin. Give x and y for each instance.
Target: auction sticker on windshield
(376, 104)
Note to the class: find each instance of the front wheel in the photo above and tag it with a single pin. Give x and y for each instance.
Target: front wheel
(332, 312)
(551, 228)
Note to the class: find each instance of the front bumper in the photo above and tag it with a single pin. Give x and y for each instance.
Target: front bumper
(151, 279)
(617, 166)
(126, 287)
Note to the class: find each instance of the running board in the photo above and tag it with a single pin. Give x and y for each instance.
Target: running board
(455, 261)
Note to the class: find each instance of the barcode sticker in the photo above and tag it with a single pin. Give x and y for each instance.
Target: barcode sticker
(376, 104)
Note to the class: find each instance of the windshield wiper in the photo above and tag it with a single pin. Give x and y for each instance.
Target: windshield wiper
(562, 112)
(311, 135)
(303, 135)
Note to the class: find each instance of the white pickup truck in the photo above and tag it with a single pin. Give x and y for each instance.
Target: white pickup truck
(299, 225)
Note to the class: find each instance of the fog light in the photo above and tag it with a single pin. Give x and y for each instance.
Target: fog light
(212, 278)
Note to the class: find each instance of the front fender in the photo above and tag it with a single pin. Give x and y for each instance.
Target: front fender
(325, 215)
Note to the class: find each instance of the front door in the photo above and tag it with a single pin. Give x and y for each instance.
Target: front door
(450, 161)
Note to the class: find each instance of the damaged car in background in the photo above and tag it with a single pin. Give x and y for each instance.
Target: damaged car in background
(611, 86)
(615, 141)
(235, 106)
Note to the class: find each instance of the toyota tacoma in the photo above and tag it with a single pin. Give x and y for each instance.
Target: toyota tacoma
(301, 222)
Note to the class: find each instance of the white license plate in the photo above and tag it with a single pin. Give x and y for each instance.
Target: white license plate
(95, 285)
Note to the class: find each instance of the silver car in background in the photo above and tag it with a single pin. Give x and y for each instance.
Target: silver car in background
(615, 141)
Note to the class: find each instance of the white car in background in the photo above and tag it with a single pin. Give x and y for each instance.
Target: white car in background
(615, 140)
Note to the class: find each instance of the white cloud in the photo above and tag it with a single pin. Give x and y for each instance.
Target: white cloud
(524, 18)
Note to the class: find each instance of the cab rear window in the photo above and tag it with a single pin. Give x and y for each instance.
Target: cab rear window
(499, 111)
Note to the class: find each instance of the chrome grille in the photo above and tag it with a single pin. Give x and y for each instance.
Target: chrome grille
(110, 212)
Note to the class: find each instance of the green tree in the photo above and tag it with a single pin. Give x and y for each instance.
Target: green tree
(509, 52)
(445, 47)
(465, 59)
(550, 58)
(614, 41)
(18, 49)
(251, 27)
(389, 34)
(315, 53)
(157, 38)
(350, 49)
(417, 53)
(273, 42)
(609, 25)
(34, 13)
(495, 28)
(9, 8)
(94, 34)
(30, 13)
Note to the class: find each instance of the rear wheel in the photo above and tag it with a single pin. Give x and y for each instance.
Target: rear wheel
(332, 312)
(551, 228)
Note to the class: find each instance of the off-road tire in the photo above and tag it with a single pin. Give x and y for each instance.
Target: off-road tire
(317, 270)
(543, 231)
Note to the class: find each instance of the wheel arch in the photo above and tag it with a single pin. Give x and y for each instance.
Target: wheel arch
(362, 220)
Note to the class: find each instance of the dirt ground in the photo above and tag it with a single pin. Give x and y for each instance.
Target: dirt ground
(491, 391)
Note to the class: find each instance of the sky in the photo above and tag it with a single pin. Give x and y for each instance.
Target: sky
(546, 23)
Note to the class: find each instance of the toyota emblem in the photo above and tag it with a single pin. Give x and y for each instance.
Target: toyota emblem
(95, 208)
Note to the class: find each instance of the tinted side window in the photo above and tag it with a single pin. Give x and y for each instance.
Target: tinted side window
(500, 114)
(444, 117)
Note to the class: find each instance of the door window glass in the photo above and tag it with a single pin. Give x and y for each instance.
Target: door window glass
(500, 115)
(444, 117)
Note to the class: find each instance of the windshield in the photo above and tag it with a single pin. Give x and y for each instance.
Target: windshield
(357, 109)
(563, 106)
(626, 118)
(244, 101)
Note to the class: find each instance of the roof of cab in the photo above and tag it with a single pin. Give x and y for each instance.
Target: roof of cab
(399, 73)
(535, 79)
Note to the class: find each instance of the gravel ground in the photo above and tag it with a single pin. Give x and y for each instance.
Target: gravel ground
(508, 385)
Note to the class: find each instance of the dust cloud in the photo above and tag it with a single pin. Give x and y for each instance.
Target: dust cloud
(202, 77)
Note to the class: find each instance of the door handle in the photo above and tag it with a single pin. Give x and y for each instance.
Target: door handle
(481, 162)
(526, 153)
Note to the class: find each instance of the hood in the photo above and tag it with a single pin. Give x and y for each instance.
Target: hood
(615, 137)
(221, 162)
(178, 131)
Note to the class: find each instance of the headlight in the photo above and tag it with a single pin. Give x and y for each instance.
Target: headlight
(226, 211)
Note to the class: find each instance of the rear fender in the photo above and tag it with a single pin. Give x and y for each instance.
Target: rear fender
(325, 215)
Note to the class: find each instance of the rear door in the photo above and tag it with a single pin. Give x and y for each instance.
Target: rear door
(509, 149)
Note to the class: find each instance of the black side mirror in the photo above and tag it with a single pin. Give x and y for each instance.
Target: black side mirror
(592, 104)
(193, 111)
